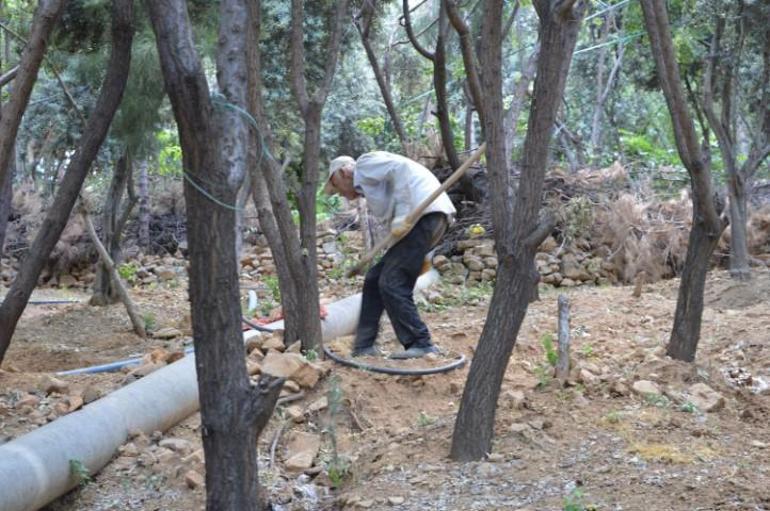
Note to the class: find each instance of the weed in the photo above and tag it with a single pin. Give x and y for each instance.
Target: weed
(338, 467)
(551, 355)
(658, 400)
(149, 321)
(424, 420)
(80, 472)
(587, 350)
(544, 373)
(271, 281)
(688, 407)
(574, 502)
(127, 271)
(311, 355)
(613, 417)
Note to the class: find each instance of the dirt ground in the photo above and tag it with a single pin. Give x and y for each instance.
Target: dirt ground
(597, 444)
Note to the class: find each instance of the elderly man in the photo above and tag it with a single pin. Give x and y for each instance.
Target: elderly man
(393, 187)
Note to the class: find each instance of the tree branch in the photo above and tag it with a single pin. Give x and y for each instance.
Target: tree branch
(410, 33)
(332, 53)
(297, 56)
(262, 398)
(469, 58)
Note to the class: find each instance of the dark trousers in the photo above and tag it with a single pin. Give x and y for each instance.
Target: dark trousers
(389, 286)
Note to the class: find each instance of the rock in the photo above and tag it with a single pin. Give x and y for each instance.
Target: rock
(283, 365)
(30, 400)
(129, 450)
(486, 250)
(759, 445)
(441, 263)
(645, 387)
(706, 398)
(516, 399)
(174, 356)
(318, 405)
(296, 347)
(495, 457)
(178, 445)
(548, 244)
(586, 377)
(302, 450)
(255, 343)
(307, 375)
(473, 263)
(68, 281)
(291, 386)
(52, 385)
(165, 274)
(618, 389)
(253, 367)
(365, 504)
(274, 343)
(74, 403)
(488, 274)
(518, 428)
(396, 501)
(194, 480)
(295, 414)
(523, 381)
(167, 333)
(490, 262)
(567, 282)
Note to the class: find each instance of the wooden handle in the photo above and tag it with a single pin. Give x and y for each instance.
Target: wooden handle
(412, 217)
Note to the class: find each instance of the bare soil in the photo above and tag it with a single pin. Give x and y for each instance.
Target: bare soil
(593, 445)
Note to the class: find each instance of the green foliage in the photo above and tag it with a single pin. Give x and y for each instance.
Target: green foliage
(338, 467)
(657, 400)
(150, 322)
(127, 271)
(169, 154)
(551, 354)
(311, 355)
(80, 472)
(688, 407)
(424, 420)
(575, 502)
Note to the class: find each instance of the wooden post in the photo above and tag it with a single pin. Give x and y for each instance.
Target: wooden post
(107, 261)
(562, 366)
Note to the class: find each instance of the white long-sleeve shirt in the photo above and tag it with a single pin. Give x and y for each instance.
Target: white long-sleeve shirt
(394, 186)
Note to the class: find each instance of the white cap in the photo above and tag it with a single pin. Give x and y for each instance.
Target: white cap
(335, 165)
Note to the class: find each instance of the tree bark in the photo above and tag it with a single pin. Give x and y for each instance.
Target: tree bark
(518, 230)
(214, 147)
(311, 108)
(144, 207)
(104, 289)
(77, 170)
(706, 226)
(45, 18)
(269, 190)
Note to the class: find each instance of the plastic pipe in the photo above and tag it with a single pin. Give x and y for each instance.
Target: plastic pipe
(35, 468)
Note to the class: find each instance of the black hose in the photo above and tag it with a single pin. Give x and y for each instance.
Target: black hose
(256, 326)
(455, 364)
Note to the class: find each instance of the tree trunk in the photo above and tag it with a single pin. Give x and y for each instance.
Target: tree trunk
(77, 170)
(6, 203)
(706, 226)
(104, 289)
(214, 147)
(45, 18)
(516, 241)
(739, 245)
(144, 207)
(240, 206)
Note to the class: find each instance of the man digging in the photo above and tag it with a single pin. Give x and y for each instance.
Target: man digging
(393, 187)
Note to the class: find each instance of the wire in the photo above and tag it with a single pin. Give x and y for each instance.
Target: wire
(395, 371)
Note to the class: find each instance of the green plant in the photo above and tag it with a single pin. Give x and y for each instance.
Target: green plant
(271, 281)
(338, 467)
(574, 502)
(423, 419)
(127, 271)
(613, 417)
(658, 400)
(311, 355)
(544, 373)
(587, 350)
(551, 355)
(80, 472)
(688, 407)
(149, 321)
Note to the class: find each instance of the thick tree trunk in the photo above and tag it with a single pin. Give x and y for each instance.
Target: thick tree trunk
(707, 226)
(46, 16)
(739, 245)
(516, 241)
(77, 170)
(214, 147)
(310, 312)
(104, 289)
(144, 207)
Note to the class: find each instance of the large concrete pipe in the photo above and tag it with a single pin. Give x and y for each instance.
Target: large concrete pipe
(35, 468)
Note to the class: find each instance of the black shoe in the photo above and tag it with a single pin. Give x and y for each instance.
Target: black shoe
(415, 352)
(369, 351)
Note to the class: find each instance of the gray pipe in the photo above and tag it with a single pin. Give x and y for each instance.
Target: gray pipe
(35, 468)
